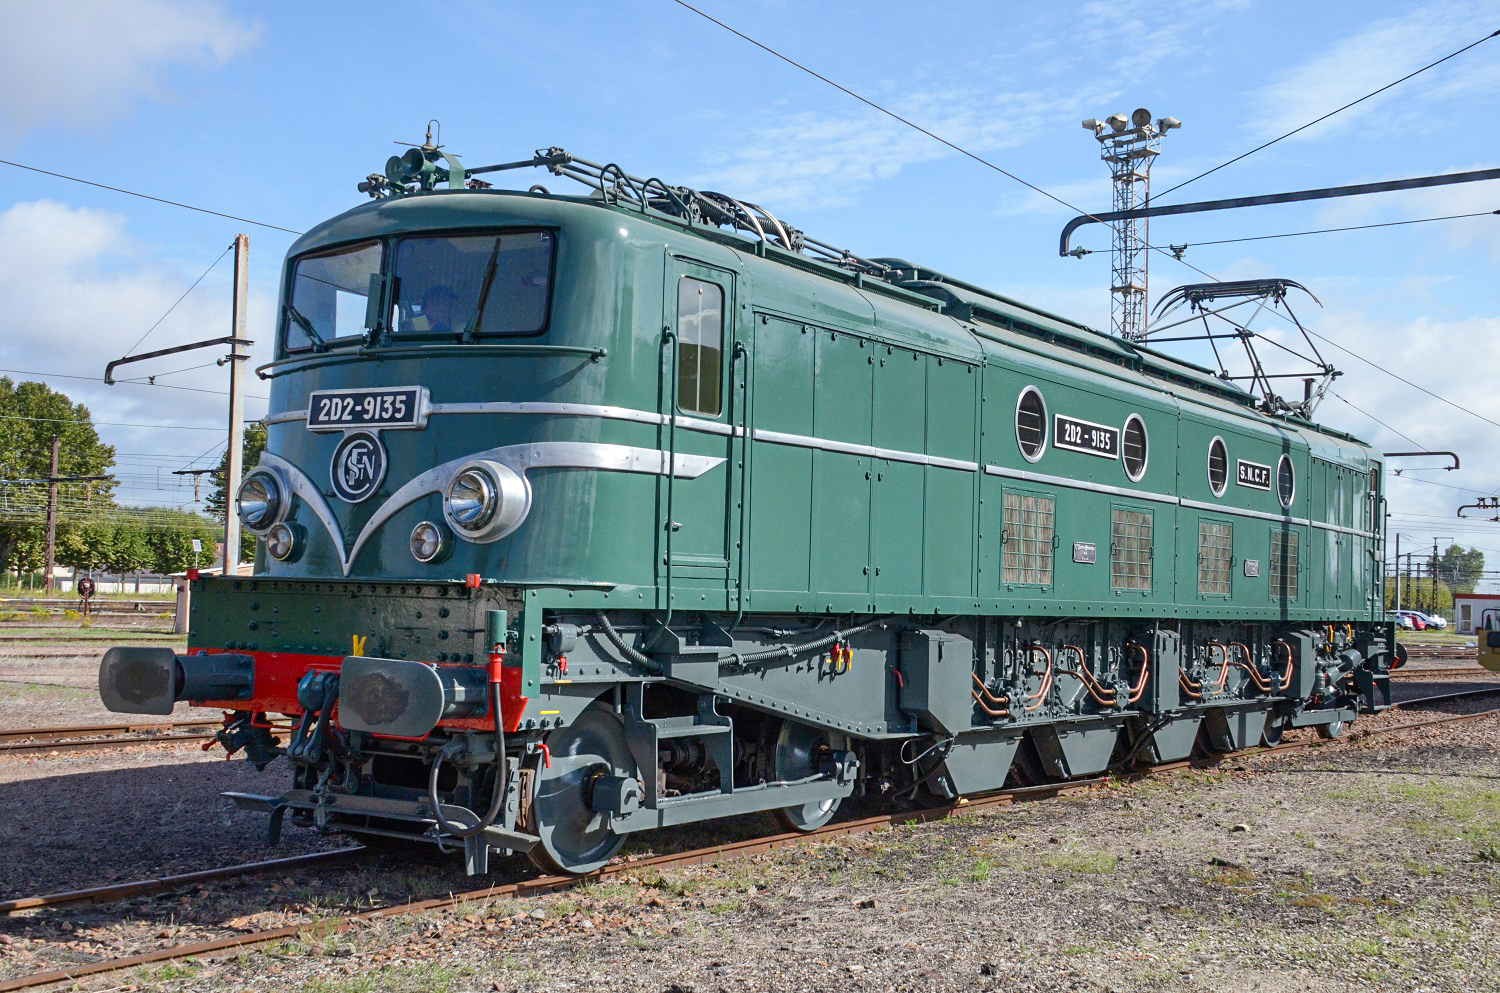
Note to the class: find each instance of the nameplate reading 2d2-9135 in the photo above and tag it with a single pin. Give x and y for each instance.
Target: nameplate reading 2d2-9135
(392, 407)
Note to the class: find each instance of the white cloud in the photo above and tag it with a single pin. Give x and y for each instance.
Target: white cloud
(794, 159)
(85, 61)
(1132, 36)
(1381, 53)
(76, 291)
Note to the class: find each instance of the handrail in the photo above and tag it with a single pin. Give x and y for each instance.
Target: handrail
(289, 364)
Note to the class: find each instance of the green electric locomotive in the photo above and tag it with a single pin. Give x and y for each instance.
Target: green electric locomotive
(584, 515)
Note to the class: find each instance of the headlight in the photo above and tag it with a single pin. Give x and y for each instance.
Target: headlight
(429, 542)
(471, 499)
(282, 542)
(485, 501)
(260, 501)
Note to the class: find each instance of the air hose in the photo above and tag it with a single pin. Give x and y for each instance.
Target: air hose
(496, 802)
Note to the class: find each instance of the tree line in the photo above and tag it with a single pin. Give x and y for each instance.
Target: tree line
(93, 530)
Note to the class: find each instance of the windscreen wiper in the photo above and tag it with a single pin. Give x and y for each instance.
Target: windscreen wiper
(318, 343)
(484, 291)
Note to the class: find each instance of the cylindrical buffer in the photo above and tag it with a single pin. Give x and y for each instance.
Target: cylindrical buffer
(137, 680)
(406, 699)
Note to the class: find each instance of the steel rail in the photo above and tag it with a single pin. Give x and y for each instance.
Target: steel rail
(1470, 670)
(90, 736)
(547, 884)
(141, 887)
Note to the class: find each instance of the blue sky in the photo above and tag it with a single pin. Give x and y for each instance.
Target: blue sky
(275, 111)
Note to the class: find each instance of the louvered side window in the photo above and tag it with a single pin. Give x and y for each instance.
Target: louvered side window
(1284, 565)
(1215, 557)
(1130, 549)
(1028, 539)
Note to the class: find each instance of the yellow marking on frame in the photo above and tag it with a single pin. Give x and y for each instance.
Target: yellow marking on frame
(550, 713)
(359, 643)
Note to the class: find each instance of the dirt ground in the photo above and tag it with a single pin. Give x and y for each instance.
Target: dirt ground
(1361, 866)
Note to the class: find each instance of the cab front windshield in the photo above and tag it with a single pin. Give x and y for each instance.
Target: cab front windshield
(444, 288)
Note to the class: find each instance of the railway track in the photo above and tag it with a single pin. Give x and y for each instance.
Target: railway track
(89, 736)
(1455, 671)
(547, 884)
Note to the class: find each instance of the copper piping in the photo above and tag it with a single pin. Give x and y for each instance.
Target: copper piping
(993, 698)
(992, 711)
(1286, 679)
(1139, 688)
(1224, 668)
(1255, 676)
(1040, 696)
(1187, 686)
(1103, 695)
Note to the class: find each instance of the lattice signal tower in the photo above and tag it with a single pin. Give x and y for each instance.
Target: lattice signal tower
(1129, 146)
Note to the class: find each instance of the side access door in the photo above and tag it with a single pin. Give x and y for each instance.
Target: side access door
(703, 396)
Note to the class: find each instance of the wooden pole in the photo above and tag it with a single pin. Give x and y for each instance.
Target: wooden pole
(50, 560)
(237, 358)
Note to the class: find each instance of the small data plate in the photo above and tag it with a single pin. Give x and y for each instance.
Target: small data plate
(391, 407)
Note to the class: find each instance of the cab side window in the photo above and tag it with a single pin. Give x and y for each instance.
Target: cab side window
(700, 346)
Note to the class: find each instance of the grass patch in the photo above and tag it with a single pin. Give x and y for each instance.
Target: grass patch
(152, 976)
(1082, 862)
(17, 691)
(1448, 811)
(427, 977)
(1228, 875)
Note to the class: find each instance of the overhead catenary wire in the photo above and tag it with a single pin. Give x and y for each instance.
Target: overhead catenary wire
(184, 296)
(875, 106)
(1325, 117)
(130, 382)
(1298, 234)
(147, 196)
(113, 424)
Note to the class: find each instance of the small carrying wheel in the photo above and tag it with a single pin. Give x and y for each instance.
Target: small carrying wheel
(1272, 733)
(575, 838)
(799, 753)
(1331, 730)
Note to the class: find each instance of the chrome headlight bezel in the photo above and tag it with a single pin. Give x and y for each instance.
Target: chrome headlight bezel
(268, 490)
(485, 500)
(283, 541)
(433, 536)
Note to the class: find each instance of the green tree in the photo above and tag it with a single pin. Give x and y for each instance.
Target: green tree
(127, 549)
(1462, 568)
(169, 541)
(31, 414)
(218, 500)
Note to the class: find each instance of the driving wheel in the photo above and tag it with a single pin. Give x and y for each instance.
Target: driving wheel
(800, 751)
(577, 839)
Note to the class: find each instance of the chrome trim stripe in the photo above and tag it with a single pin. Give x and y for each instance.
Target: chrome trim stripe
(1078, 484)
(546, 455)
(1242, 512)
(686, 470)
(849, 448)
(302, 485)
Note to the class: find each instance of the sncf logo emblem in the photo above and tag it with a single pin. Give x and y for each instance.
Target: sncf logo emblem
(358, 466)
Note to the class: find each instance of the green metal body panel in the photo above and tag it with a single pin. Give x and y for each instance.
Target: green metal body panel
(867, 442)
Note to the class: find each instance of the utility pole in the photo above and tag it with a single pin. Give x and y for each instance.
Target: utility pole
(197, 475)
(238, 355)
(51, 557)
(1128, 148)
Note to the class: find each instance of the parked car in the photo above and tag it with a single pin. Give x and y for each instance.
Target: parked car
(1417, 621)
(1436, 621)
(1403, 623)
